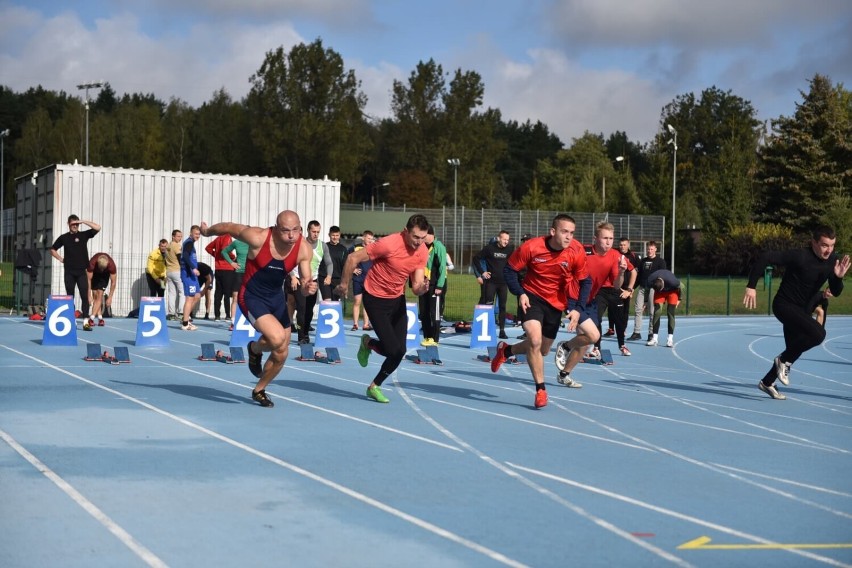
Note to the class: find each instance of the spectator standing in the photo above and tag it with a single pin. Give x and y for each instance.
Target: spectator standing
(189, 277)
(101, 272)
(174, 284)
(224, 275)
(359, 275)
(305, 303)
(492, 261)
(155, 270)
(647, 266)
(338, 253)
(240, 250)
(430, 302)
(76, 259)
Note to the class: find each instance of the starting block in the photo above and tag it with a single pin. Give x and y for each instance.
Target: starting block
(94, 353)
(307, 353)
(492, 351)
(606, 358)
(210, 353)
(426, 356)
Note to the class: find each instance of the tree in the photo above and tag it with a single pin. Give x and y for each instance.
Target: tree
(805, 164)
(526, 144)
(306, 114)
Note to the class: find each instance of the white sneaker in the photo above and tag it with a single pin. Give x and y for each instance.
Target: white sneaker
(188, 327)
(670, 342)
(595, 353)
(782, 371)
(566, 380)
(652, 342)
(561, 358)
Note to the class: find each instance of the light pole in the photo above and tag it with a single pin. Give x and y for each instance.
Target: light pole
(455, 162)
(673, 142)
(87, 86)
(373, 196)
(3, 135)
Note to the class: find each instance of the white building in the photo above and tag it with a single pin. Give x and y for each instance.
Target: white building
(137, 208)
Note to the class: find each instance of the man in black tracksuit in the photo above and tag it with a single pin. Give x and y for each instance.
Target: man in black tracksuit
(807, 269)
(492, 260)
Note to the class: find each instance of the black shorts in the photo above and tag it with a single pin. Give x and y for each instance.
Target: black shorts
(99, 281)
(550, 317)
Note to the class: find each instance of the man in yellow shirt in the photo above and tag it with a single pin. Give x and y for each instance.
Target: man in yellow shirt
(155, 270)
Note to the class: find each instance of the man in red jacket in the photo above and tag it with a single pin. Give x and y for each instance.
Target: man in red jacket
(224, 274)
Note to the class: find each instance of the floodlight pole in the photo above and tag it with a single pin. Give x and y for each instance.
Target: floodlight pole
(455, 162)
(673, 142)
(3, 135)
(87, 86)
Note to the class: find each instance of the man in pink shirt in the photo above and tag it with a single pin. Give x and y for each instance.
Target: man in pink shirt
(397, 259)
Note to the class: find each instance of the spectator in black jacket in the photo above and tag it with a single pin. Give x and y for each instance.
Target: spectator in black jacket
(647, 266)
(492, 260)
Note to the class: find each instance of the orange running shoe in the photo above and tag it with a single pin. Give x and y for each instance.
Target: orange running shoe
(500, 357)
(540, 398)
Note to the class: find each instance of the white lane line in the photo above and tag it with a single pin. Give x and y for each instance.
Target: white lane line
(122, 535)
(777, 479)
(606, 525)
(399, 514)
(671, 513)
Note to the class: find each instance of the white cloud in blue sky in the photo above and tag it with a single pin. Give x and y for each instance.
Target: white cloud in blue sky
(576, 65)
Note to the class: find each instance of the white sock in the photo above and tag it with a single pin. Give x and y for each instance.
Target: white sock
(671, 337)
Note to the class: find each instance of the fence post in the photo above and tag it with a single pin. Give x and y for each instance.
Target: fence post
(688, 286)
(769, 298)
(728, 297)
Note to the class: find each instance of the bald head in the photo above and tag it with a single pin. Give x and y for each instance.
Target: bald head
(287, 226)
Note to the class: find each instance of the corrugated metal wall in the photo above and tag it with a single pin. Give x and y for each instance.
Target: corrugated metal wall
(136, 208)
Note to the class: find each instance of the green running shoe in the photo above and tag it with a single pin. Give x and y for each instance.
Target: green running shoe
(376, 394)
(364, 351)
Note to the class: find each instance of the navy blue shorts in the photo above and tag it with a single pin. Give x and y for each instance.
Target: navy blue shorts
(254, 307)
(589, 311)
(357, 287)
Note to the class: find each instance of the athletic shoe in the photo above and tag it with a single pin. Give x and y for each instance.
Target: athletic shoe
(87, 327)
(652, 342)
(354, 327)
(670, 342)
(207, 316)
(364, 350)
(368, 327)
(565, 380)
(261, 398)
(304, 341)
(376, 394)
(595, 353)
(771, 391)
(255, 361)
(610, 332)
(429, 342)
(782, 371)
(561, 358)
(625, 351)
(101, 322)
(503, 335)
(540, 398)
(91, 322)
(231, 327)
(499, 357)
(188, 326)
(634, 337)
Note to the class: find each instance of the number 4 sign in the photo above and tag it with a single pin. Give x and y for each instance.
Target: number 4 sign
(151, 330)
(243, 332)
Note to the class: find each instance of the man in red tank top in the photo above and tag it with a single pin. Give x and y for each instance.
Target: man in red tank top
(273, 252)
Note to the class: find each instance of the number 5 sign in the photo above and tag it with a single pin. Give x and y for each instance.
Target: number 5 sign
(151, 330)
(60, 327)
(330, 325)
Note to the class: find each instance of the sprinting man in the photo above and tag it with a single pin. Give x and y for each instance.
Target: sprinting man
(273, 252)
(398, 259)
(807, 269)
(551, 263)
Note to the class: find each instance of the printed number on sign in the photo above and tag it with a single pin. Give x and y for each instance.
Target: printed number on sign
(332, 320)
(60, 325)
(483, 320)
(148, 316)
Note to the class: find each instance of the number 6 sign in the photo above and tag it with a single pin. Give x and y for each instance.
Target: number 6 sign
(60, 327)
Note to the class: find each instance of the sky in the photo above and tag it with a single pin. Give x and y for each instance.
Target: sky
(575, 65)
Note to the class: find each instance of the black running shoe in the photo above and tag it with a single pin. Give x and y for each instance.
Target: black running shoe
(255, 363)
(261, 398)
